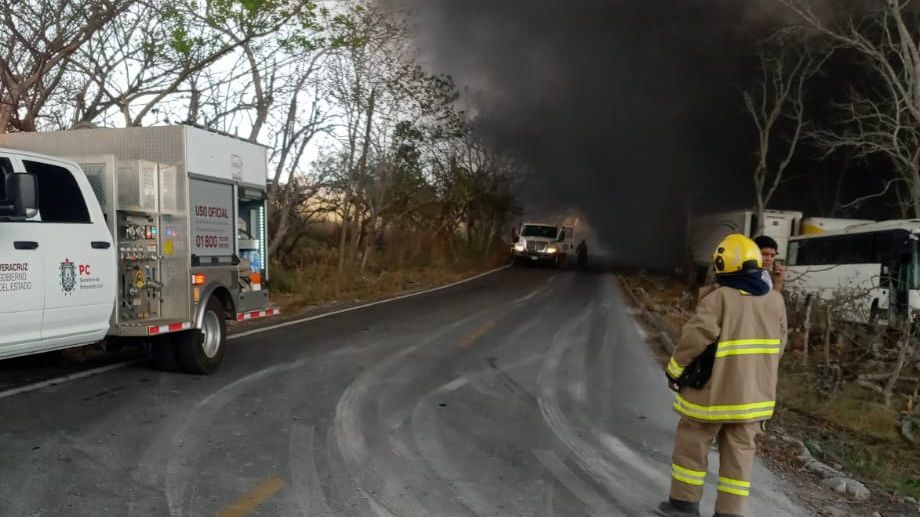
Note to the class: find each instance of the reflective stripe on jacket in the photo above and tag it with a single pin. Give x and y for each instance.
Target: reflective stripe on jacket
(750, 332)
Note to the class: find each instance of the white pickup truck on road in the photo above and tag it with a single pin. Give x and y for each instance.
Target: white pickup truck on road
(153, 234)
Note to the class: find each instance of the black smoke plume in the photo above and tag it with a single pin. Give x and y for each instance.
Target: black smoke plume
(626, 111)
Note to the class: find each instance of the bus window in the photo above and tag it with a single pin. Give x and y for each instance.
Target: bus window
(792, 254)
(914, 266)
(882, 247)
(855, 249)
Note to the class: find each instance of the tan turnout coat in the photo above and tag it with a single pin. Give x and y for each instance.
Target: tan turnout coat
(751, 336)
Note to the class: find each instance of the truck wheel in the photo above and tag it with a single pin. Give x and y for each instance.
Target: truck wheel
(165, 356)
(201, 351)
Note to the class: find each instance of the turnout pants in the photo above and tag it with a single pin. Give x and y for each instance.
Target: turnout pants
(736, 459)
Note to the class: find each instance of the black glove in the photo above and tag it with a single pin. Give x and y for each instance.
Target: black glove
(672, 383)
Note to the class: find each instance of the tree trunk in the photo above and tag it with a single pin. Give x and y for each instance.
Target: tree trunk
(489, 238)
(807, 329)
(366, 254)
(905, 346)
(369, 241)
(359, 231)
(761, 208)
(827, 335)
(343, 237)
(6, 114)
(284, 221)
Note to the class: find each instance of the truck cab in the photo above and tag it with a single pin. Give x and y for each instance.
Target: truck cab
(542, 244)
(154, 234)
(57, 260)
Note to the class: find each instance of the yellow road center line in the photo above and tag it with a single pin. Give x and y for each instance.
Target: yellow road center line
(476, 336)
(252, 499)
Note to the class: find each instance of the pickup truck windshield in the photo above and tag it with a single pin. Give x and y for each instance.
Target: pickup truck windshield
(546, 232)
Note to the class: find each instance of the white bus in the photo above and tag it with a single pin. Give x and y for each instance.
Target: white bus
(873, 268)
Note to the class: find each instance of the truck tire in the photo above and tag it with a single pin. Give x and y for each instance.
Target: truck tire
(165, 356)
(202, 350)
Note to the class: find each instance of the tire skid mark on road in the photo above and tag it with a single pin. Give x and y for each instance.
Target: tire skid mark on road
(346, 497)
(349, 429)
(436, 455)
(549, 498)
(582, 491)
(308, 490)
(185, 446)
(624, 476)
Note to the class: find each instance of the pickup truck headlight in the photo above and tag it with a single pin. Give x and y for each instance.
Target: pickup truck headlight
(519, 246)
(552, 249)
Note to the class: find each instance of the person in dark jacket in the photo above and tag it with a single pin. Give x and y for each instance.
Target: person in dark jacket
(582, 251)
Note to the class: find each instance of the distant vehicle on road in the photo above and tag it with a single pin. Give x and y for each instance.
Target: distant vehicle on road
(133, 233)
(705, 232)
(542, 244)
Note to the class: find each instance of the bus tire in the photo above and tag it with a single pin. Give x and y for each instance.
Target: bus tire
(165, 356)
(201, 351)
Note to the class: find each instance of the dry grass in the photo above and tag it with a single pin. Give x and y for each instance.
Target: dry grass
(312, 277)
(852, 431)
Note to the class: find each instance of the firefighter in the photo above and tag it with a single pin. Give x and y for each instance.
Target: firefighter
(774, 273)
(730, 351)
(582, 251)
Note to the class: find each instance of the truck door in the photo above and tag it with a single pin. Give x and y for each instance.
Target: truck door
(566, 238)
(79, 261)
(21, 278)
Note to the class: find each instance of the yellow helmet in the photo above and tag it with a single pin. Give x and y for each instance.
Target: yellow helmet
(736, 253)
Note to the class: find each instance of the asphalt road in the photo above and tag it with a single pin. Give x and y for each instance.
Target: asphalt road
(529, 392)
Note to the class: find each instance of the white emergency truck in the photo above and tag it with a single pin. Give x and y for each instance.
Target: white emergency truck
(542, 243)
(153, 233)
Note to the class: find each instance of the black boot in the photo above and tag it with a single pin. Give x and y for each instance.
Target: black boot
(675, 508)
(717, 514)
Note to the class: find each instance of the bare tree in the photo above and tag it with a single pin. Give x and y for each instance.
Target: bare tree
(39, 39)
(776, 104)
(360, 76)
(153, 57)
(880, 116)
(304, 119)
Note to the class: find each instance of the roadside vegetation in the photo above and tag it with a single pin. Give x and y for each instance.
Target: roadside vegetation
(310, 277)
(379, 180)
